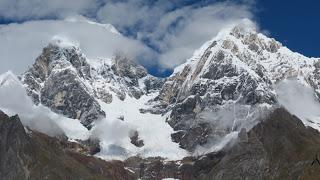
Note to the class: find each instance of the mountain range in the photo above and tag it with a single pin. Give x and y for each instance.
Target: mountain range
(242, 107)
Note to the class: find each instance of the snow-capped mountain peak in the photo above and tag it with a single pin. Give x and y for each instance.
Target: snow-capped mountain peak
(234, 73)
(223, 89)
(102, 93)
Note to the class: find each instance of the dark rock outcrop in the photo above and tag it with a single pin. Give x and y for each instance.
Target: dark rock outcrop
(37, 156)
(130, 73)
(135, 139)
(280, 147)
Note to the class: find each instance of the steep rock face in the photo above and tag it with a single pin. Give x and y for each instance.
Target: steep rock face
(66, 94)
(52, 59)
(236, 73)
(64, 80)
(11, 165)
(57, 80)
(34, 155)
(314, 79)
(121, 76)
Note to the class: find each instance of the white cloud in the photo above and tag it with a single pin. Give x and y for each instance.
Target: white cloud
(227, 121)
(14, 100)
(299, 99)
(172, 29)
(37, 9)
(20, 44)
(175, 33)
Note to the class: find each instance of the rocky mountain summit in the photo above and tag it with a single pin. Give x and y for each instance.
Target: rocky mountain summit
(223, 114)
(236, 74)
(64, 80)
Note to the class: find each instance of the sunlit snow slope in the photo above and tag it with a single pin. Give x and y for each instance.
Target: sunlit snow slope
(226, 87)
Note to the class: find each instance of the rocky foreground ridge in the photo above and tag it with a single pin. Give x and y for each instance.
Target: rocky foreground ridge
(27, 154)
(280, 147)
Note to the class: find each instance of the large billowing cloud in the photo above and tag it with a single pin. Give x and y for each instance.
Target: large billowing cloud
(174, 32)
(20, 44)
(172, 29)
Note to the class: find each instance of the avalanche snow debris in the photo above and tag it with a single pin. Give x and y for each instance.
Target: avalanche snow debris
(222, 91)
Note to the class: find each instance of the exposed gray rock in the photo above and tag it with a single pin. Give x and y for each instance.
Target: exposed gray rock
(227, 73)
(57, 80)
(153, 84)
(63, 79)
(172, 86)
(121, 117)
(104, 95)
(125, 67)
(122, 77)
(135, 140)
(314, 79)
(220, 82)
(130, 72)
(65, 94)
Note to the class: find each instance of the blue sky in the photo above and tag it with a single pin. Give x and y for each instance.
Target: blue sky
(294, 23)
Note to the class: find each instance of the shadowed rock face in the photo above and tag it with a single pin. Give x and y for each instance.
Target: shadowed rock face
(36, 156)
(57, 79)
(280, 147)
(63, 79)
(15, 148)
(209, 84)
(129, 74)
(240, 66)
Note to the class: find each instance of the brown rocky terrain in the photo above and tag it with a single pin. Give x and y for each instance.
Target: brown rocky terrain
(280, 147)
(33, 155)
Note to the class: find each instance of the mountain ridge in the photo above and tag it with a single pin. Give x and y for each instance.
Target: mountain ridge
(238, 68)
(226, 86)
